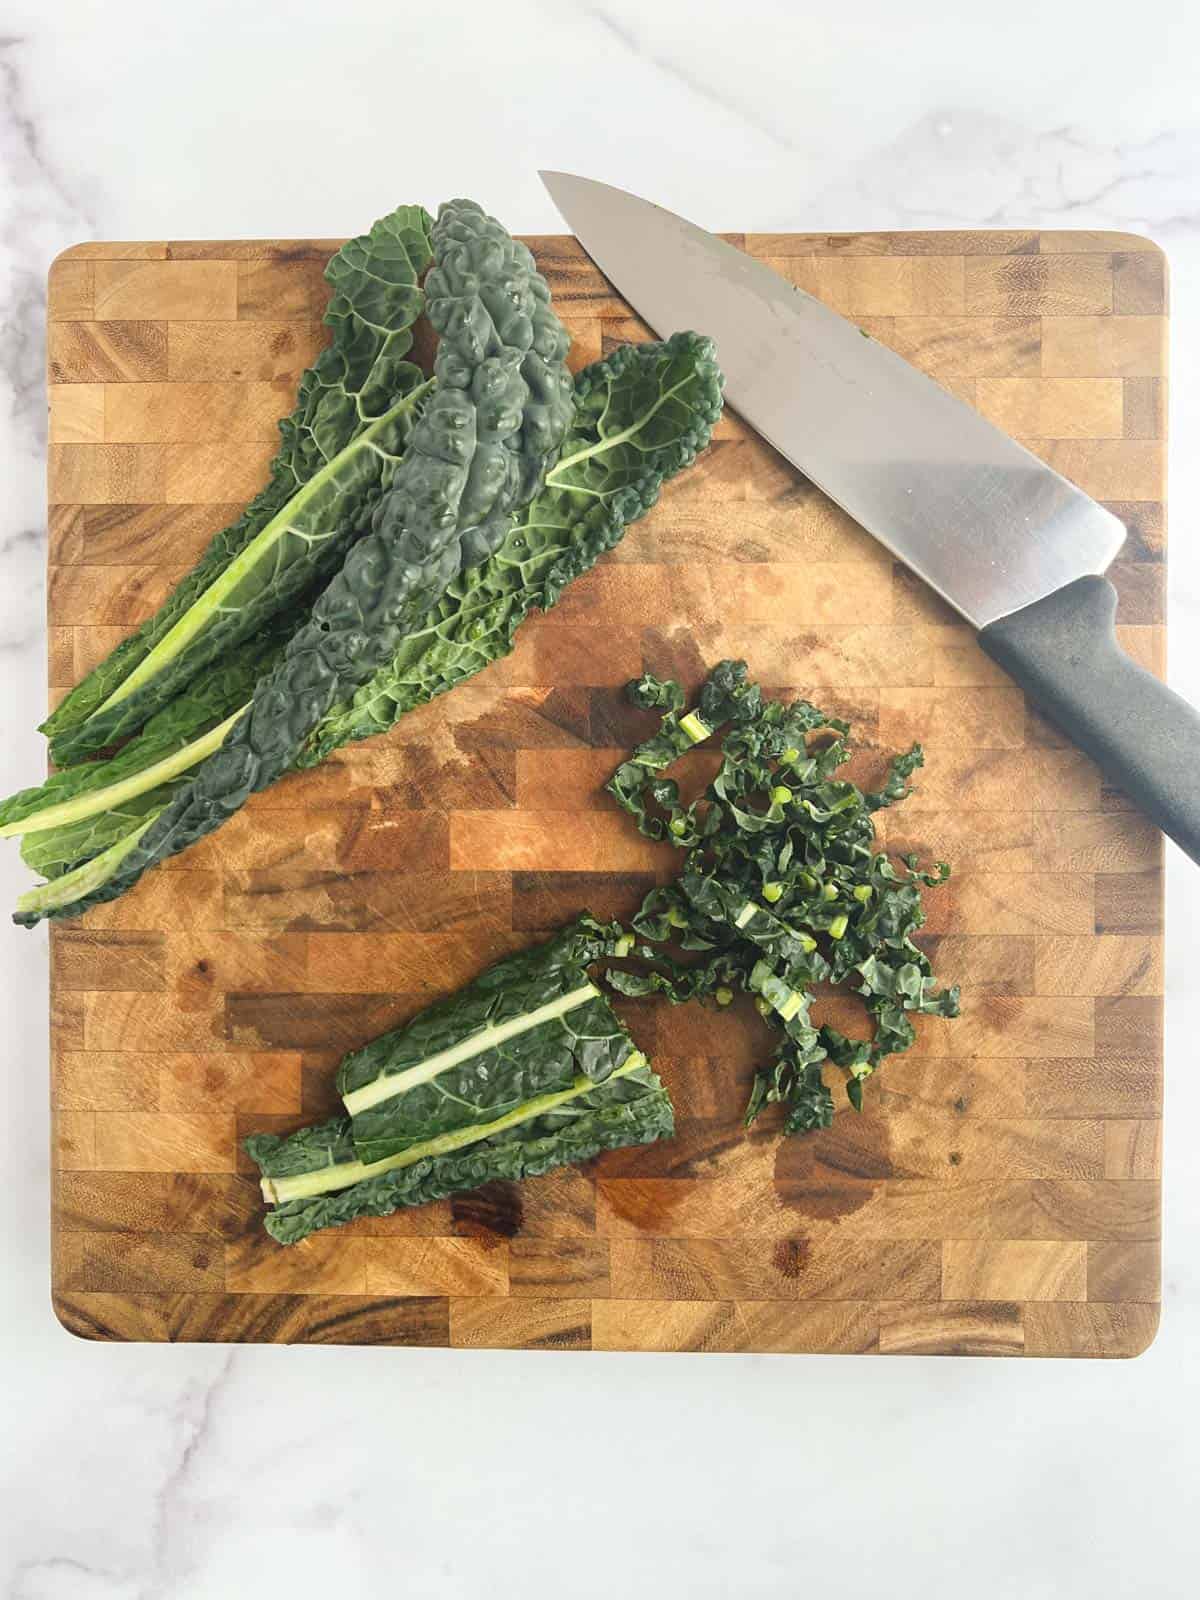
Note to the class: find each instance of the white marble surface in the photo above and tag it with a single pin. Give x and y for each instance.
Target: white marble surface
(201, 1474)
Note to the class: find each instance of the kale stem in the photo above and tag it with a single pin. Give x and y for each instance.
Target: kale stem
(83, 880)
(94, 801)
(207, 604)
(304, 1185)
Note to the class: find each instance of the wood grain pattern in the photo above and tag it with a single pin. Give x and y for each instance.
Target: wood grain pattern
(999, 1194)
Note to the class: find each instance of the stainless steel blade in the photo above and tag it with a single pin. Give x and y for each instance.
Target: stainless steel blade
(980, 518)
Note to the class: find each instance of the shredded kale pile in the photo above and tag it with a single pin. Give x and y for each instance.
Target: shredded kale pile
(782, 886)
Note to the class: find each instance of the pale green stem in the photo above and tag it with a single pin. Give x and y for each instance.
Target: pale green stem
(304, 1185)
(98, 800)
(388, 1085)
(83, 880)
(199, 613)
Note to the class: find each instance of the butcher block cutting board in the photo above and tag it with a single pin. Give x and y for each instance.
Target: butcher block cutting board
(1000, 1192)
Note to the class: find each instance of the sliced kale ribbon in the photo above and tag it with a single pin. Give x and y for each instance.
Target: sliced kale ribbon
(782, 885)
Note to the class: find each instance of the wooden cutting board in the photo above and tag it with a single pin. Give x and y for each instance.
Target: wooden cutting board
(1000, 1192)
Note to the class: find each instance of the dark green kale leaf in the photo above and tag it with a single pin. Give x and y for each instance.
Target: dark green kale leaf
(495, 421)
(55, 851)
(208, 701)
(641, 415)
(82, 811)
(338, 449)
(530, 1025)
(628, 1110)
(460, 1111)
(326, 1144)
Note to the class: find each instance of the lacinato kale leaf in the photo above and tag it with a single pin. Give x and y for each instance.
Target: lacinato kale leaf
(81, 811)
(505, 992)
(525, 1069)
(338, 449)
(212, 697)
(782, 885)
(325, 1144)
(641, 415)
(627, 1110)
(58, 850)
(532, 1025)
(495, 421)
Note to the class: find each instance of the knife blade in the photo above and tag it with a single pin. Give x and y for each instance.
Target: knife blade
(982, 520)
(1016, 548)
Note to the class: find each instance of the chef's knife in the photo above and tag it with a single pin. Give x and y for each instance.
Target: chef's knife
(1013, 546)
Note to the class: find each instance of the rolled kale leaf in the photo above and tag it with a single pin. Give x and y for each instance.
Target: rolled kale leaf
(629, 1108)
(496, 419)
(531, 1025)
(354, 411)
(641, 415)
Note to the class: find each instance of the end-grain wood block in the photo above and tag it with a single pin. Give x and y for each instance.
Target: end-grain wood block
(887, 286)
(762, 1326)
(436, 1266)
(76, 413)
(1102, 347)
(70, 290)
(1044, 285)
(517, 1323)
(1066, 1328)
(253, 1318)
(789, 1269)
(1107, 469)
(999, 1194)
(322, 1264)
(1105, 965)
(1054, 408)
(1140, 283)
(968, 1328)
(1098, 1208)
(1014, 1269)
(95, 353)
(949, 347)
(237, 352)
(193, 413)
(550, 1268)
(1112, 1087)
(1133, 1148)
(203, 291)
(221, 1204)
(123, 1263)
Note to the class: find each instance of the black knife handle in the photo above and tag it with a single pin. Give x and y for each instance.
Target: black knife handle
(1063, 651)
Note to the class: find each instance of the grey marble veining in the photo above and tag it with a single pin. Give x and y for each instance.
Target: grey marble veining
(196, 1473)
